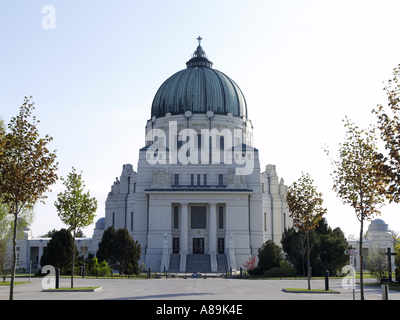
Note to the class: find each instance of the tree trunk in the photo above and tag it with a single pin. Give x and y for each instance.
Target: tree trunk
(308, 260)
(361, 259)
(14, 253)
(73, 262)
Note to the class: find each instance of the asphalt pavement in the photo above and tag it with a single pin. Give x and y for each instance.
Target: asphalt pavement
(190, 289)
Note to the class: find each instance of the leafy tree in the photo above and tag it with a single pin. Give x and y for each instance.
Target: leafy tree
(5, 226)
(59, 250)
(106, 247)
(127, 251)
(357, 178)
(75, 208)
(377, 263)
(250, 264)
(294, 245)
(269, 256)
(305, 206)
(27, 168)
(326, 249)
(397, 251)
(332, 245)
(49, 233)
(389, 126)
(120, 250)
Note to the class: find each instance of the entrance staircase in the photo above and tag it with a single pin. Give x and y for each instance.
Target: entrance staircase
(197, 263)
(174, 263)
(222, 263)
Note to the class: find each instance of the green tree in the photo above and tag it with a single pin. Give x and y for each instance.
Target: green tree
(27, 168)
(305, 206)
(75, 208)
(294, 245)
(377, 263)
(59, 250)
(389, 126)
(49, 233)
(5, 226)
(106, 247)
(120, 250)
(397, 251)
(127, 251)
(269, 256)
(357, 178)
(332, 244)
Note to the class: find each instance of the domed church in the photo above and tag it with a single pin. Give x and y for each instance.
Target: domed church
(198, 200)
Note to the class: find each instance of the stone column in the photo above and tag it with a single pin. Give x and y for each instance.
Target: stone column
(213, 228)
(184, 228)
(40, 253)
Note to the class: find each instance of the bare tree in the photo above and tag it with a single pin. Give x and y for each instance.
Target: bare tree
(377, 262)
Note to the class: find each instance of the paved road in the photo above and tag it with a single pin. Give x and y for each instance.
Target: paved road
(190, 289)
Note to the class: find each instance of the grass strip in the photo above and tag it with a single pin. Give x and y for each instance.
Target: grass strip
(7, 283)
(75, 289)
(300, 290)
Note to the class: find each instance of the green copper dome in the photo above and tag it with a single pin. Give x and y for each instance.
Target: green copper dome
(199, 89)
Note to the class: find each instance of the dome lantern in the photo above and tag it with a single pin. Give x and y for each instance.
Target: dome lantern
(199, 58)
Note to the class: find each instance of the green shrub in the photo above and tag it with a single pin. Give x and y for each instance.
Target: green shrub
(100, 270)
(285, 270)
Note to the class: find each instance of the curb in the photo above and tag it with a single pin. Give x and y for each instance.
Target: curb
(74, 290)
(302, 291)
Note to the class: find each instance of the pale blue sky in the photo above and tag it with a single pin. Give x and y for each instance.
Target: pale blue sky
(302, 66)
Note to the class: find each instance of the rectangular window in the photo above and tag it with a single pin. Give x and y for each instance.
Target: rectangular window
(198, 179)
(113, 219)
(220, 180)
(284, 221)
(198, 217)
(221, 217)
(131, 221)
(176, 179)
(205, 179)
(179, 143)
(265, 221)
(192, 179)
(176, 217)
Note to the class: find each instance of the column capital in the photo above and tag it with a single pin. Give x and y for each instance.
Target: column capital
(213, 203)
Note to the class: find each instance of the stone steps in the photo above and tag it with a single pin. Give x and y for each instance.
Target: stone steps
(198, 263)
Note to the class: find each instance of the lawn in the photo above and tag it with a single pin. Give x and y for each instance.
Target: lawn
(298, 290)
(89, 289)
(7, 283)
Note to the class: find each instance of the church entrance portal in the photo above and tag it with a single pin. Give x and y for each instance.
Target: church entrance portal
(198, 245)
(221, 245)
(175, 245)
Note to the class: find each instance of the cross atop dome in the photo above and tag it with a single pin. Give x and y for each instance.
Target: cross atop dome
(199, 57)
